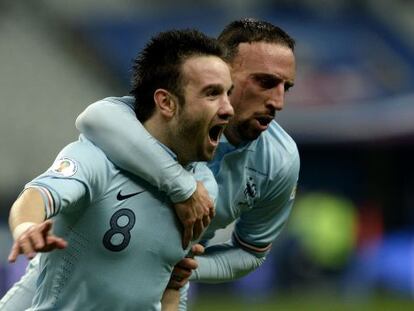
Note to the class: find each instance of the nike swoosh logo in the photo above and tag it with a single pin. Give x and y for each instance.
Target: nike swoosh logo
(121, 197)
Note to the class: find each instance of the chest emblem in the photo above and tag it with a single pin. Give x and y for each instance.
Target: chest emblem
(250, 191)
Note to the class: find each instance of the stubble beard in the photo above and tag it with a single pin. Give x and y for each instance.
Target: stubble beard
(191, 140)
(243, 132)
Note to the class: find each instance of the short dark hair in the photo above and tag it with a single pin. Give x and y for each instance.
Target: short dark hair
(248, 30)
(159, 65)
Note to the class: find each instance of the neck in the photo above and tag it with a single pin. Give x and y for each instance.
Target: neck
(153, 126)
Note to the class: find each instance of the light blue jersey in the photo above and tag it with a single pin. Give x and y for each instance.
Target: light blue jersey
(257, 183)
(122, 233)
(20, 296)
(257, 187)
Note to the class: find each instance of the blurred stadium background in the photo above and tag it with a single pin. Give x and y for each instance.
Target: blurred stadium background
(349, 244)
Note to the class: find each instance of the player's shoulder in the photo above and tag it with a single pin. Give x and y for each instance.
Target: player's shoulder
(85, 153)
(277, 148)
(83, 147)
(277, 139)
(204, 174)
(124, 100)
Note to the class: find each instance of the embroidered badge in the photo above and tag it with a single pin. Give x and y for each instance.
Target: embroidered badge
(65, 167)
(250, 190)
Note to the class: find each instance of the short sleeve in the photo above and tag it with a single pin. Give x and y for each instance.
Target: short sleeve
(78, 176)
(205, 175)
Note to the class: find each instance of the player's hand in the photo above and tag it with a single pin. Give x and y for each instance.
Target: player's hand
(36, 238)
(195, 214)
(183, 269)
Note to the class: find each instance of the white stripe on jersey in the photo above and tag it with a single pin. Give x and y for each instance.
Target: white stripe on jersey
(251, 247)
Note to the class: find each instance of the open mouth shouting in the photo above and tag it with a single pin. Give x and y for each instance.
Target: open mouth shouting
(264, 121)
(215, 132)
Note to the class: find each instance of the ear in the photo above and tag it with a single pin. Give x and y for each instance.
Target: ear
(165, 102)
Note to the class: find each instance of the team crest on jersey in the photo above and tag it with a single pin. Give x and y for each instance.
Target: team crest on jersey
(250, 190)
(248, 195)
(65, 167)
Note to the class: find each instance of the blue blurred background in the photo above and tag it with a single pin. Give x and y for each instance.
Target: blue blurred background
(351, 113)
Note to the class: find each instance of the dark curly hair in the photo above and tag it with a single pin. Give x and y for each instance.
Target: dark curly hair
(252, 30)
(159, 65)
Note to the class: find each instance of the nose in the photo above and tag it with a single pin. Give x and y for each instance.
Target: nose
(226, 110)
(276, 98)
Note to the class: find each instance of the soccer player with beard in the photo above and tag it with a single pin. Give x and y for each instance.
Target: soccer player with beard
(118, 235)
(256, 164)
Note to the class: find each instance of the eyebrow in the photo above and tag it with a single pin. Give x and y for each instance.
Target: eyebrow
(273, 76)
(215, 87)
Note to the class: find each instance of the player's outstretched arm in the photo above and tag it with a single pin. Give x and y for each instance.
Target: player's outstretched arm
(113, 126)
(30, 230)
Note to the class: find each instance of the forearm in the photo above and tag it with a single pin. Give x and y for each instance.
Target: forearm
(170, 300)
(31, 232)
(28, 208)
(225, 262)
(112, 125)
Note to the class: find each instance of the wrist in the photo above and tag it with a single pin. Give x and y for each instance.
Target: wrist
(184, 190)
(17, 232)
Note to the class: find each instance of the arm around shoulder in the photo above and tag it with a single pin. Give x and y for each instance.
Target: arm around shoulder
(112, 125)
